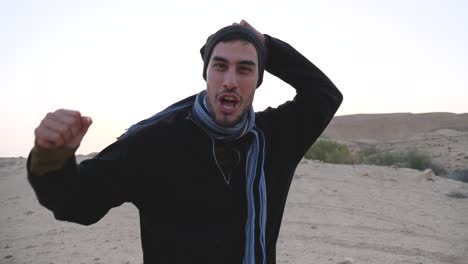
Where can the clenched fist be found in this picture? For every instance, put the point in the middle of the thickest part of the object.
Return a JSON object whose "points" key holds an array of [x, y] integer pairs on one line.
{"points": [[62, 129]]}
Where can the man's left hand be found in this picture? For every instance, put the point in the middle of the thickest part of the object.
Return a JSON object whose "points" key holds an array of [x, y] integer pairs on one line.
{"points": [[247, 25]]}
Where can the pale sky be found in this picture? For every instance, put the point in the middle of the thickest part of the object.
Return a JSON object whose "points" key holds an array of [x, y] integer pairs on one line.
{"points": [[122, 61]]}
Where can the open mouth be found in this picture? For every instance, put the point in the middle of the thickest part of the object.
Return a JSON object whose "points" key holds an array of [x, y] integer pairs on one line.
{"points": [[228, 102]]}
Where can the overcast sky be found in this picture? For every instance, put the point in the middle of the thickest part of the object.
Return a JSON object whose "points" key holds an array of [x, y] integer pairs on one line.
{"points": [[122, 61]]}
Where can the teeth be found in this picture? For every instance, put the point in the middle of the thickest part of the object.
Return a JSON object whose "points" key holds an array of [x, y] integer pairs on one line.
{"points": [[228, 102]]}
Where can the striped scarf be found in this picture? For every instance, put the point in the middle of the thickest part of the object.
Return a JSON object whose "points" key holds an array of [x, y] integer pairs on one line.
{"points": [[255, 178]]}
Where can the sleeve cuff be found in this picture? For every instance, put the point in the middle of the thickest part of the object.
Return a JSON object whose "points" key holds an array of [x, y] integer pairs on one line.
{"points": [[43, 160]]}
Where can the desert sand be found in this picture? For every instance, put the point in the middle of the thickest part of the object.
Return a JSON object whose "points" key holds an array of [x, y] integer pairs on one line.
{"points": [[337, 214]]}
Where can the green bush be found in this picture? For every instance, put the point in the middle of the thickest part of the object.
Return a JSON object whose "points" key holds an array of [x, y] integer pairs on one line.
{"points": [[405, 159], [364, 152], [330, 152], [337, 153]]}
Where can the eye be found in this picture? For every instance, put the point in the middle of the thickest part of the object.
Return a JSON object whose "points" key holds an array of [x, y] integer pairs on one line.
{"points": [[219, 66], [245, 70]]}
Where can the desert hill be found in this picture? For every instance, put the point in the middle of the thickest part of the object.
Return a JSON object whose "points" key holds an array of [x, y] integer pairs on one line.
{"points": [[397, 126], [444, 136]]}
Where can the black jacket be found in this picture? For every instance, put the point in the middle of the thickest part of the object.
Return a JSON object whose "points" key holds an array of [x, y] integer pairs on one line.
{"points": [[188, 214]]}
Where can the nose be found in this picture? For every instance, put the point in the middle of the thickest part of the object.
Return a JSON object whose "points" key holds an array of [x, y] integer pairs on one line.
{"points": [[230, 80]]}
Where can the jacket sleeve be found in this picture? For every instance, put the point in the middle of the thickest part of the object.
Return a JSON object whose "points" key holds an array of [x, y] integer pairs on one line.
{"points": [[83, 193], [298, 123]]}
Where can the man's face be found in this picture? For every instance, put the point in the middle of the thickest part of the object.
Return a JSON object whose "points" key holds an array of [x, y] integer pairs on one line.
{"points": [[231, 80]]}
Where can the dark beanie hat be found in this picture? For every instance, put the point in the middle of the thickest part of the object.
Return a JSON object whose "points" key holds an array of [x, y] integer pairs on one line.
{"points": [[237, 31]]}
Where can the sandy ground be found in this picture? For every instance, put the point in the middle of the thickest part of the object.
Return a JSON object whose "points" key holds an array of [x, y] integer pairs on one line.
{"points": [[335, 214]]}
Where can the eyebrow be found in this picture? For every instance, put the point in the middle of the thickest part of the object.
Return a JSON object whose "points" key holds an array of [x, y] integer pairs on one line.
{"points": [[245, 62], [217, 58]]}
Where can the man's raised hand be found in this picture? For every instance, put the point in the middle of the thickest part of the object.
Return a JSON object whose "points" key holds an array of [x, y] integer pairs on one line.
{"points": [[62, 129], [247, 25]]}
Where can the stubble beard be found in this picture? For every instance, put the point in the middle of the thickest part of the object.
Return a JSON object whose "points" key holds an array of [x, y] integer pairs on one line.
{"points": [[223, 120]]}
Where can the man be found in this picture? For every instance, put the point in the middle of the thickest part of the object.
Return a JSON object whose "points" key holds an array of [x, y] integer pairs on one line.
{"points": [[209, 176]]}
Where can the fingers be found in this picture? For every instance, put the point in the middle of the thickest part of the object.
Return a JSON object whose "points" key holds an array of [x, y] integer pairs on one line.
{"points": [[47, 139], [247, 25], [242, 23], [61, 128], [86, 123]]}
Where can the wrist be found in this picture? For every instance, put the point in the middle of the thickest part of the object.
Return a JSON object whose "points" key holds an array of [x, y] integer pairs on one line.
{"points": [[48, 160]]}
